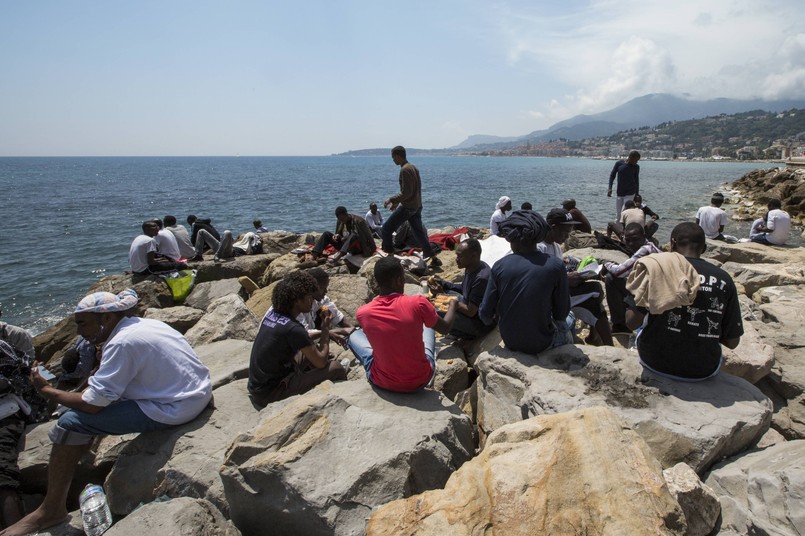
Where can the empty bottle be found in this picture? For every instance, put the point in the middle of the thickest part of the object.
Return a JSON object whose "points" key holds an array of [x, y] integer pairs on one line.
{"points": [[94, 510]]}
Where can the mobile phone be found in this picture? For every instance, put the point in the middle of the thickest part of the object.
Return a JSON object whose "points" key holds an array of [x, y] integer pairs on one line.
{"points": [[45, 373]]}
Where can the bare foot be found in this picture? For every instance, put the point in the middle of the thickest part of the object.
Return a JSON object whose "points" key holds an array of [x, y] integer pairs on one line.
{"points": [[34, 522]]}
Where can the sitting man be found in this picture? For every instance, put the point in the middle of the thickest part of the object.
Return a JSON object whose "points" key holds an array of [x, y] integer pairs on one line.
{"points": [[352, 235], [528, 290], [650, 225], [339, 326], [197, 224], [503, 205], [285, 361], [584, 224], [630, 214], [712, 218], [396, 342], [634, 237], [777, 227], [466, 324], [374, 220], [258, 226], [186, 249], [590, 310], [167, 245], [149, 379], [144, 257], [685, 342]]}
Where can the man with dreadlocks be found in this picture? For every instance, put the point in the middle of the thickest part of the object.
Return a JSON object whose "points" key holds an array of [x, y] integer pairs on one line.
{"points": [[528, 290], [285, 361], [149, 379]]}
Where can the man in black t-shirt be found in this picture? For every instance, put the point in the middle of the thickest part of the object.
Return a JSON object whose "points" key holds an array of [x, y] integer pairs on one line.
{"points": [[466, 324], [285, 361], [685, 342]]}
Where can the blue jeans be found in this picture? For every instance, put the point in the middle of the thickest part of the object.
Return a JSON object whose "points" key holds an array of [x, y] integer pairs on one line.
{"points": [[414, 218], [761, 239], [565, 330], [118, 418], [359, 344]]}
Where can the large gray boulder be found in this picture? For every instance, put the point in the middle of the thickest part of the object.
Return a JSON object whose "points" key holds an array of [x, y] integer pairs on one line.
{"points": [[754, 277], [320, 462], [176, 516], [751, 253], [783, 313], [697, 500], [252, 266], [762, 492], [752, 359], [228, 360], [203, 294], [180, 318], [349, 292], [182, 461], [696, 423], [226, 318]]}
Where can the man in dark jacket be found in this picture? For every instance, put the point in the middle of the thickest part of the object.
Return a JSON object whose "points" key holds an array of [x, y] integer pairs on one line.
{"points": [[628, 174], [352, 235]]}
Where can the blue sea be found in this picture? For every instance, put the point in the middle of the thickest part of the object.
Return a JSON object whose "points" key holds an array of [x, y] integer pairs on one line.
{"points": [[69, 221]]}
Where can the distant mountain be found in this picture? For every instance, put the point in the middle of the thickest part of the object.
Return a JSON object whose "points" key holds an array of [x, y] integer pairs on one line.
{"points": [[648, 110]]}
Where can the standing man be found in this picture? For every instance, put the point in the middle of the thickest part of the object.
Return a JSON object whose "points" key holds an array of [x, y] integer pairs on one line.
{"points": [[628, 174], [504, 205], [528, 290], [396, 343], [149, 379], [374, 220], [685, 342], [407, 206], [467, 324]]}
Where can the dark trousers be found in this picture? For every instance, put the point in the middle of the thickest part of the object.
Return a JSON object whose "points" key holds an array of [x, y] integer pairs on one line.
{"points": [[414, 218], [344, 245], [302, 381], [616, 296]]}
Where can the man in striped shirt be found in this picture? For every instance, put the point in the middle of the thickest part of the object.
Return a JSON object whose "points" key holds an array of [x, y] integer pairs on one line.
{"points": [[634, 237]]}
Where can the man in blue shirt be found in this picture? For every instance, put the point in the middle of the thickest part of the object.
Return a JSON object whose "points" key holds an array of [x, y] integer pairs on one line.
{"points": [[628, 174], [528, 290]]}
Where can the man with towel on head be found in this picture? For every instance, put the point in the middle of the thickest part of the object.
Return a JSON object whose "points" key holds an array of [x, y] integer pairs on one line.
{"points": [[504, 204], [149, 379], [528, 290]]}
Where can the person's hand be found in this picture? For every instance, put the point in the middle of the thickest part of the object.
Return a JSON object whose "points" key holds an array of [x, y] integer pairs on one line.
{"points": [[326, 315], [609, 192], [36, 379], [574, 279], [386, 203], [655, 217], [452, 303]]}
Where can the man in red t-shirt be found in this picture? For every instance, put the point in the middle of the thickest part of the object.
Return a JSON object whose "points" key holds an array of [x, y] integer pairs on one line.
{"points": [[396, 341]]}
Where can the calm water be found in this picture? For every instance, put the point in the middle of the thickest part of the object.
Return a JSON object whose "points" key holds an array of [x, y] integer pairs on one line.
{"points": [[69, 221]]}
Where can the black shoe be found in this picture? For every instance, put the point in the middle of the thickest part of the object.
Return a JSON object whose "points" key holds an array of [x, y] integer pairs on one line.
{"points": [[435, 262], [197, 258], [620, 328]]}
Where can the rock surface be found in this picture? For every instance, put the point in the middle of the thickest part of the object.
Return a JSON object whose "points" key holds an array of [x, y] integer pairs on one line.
{"points": [[320, 462], [762, 492], [226, 318], [698, 501], [176, 516], [228, 360], [546, 475], [203, 294], [179, 318], [696, 423]]}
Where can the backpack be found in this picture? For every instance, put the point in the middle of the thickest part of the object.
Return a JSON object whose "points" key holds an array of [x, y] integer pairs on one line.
{"points": [[15, 384]]}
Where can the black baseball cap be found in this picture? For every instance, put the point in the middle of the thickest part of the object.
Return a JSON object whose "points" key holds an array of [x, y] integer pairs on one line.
{"points": [[560, 216]]}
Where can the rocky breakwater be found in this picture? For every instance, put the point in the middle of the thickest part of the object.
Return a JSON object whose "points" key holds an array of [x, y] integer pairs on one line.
{"points": [[757, 187], [575, 440]]}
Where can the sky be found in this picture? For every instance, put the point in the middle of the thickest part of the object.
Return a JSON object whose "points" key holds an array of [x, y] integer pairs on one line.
{"points": [[217, 78]]}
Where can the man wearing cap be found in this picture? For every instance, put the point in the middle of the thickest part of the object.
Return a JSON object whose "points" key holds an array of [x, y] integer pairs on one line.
{"points": [[528, 290], [586, 297], [628, 175], [504, 204], [149, 379], [584, 224]]}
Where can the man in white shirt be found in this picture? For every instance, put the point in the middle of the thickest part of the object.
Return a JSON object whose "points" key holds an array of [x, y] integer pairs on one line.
{"points": [[374, 219], [167, 246], [144, 256], [712, 219], [149, 379], [778, 225], [504, 204], [186, 249]]}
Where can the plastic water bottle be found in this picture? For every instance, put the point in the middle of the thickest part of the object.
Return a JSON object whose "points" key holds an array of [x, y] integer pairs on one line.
{"points": [[94, 510]]}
